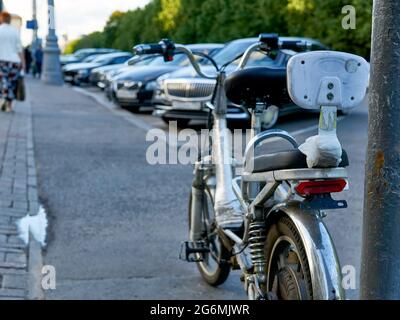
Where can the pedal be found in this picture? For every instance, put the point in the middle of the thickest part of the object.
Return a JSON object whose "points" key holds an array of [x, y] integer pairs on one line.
{"points": [[189, 250]]}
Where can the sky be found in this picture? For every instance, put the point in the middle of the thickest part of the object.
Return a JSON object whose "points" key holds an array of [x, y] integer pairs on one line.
{"points": [[73, 17]]}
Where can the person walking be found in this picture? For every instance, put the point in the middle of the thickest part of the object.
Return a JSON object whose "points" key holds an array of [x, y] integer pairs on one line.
{"points": [[28, 59], [38, 61], [11, 61]]}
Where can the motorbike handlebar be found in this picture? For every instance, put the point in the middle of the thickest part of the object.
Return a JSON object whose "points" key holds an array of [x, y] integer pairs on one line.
{"points": [[152, 48], [271, 41], [293, 45], [165, 47]]}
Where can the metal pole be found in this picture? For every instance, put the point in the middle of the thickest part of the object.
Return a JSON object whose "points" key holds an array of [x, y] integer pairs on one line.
{"points": [[380, 271], [35, 30], [51, 60]]}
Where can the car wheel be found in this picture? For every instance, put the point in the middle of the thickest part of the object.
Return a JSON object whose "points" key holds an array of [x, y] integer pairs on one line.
{"points": [[135, 109]]}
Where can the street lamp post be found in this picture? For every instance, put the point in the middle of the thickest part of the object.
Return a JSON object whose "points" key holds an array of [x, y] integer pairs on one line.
{"points": [[380, 273], [51, 60], [35, 27]]}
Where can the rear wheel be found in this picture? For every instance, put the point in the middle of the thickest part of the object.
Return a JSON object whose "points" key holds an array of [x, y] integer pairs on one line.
{"points": [[288, 272], [215, 266]]}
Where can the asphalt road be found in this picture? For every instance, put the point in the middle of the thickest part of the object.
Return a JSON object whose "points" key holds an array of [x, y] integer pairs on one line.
{"points": [[116, 222]]}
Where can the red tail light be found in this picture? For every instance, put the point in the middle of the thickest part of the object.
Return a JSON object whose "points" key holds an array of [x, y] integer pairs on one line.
{"points": [[307, 188]]}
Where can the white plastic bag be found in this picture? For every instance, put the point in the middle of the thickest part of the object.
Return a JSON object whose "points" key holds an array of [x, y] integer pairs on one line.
{"points": [[322, 151]]}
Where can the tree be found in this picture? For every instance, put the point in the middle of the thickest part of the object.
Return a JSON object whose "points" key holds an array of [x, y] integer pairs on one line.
{"points": [[195, 21]]}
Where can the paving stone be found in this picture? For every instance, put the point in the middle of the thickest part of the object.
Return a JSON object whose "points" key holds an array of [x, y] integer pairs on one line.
{"points": [[18, 193], [12, 212], [12, 293], [19, 190], [13, 272], [5, 203], [14, 281], [5, 220], [14, 240], [11, 230], [16, 258], [20, 205], [12, 265]]}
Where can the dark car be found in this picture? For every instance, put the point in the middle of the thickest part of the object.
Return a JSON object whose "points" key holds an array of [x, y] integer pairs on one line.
{"points": [[80, 55], [77, 73], [101, 76], [135, 88], [182, 95]]}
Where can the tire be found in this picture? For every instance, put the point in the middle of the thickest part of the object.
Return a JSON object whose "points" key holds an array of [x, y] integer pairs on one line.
{"points": [[134, 109], [292, 281], [221, 273]]}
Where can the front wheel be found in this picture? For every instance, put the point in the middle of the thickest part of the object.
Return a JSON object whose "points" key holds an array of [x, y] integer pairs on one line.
{"points": [[288, 272], [214, 266]]}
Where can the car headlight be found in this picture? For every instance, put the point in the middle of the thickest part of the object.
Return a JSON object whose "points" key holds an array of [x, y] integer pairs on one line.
{"points": [[132, 84], [151, 86], [111, 74], [83, 72]]}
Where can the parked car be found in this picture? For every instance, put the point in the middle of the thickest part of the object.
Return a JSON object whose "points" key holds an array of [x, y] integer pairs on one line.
{"points": [[77, 73], [102, 75], [80, 55], [135, 88], [182, 96]]}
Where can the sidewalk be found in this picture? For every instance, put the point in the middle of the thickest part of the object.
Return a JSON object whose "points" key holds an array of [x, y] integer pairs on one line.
{"points": [[18, 197]]}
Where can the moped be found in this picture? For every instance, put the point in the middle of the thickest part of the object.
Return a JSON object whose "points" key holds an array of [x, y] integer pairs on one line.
{"points": [[268, 221]]}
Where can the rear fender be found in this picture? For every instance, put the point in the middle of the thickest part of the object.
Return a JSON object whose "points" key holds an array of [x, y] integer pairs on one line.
{"points": [[324, 264]]}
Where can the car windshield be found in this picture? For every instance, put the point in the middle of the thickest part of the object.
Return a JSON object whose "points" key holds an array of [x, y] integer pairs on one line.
{"points": [[158, 61], [90, 58], [141, 62], [83, 55], [257, 59], [102, 59], [180, 59], [231, 51]]}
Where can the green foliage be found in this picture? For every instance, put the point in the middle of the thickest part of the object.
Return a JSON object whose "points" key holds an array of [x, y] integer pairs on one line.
{"points": [[93, 40], [195, 21], [71, 46]]}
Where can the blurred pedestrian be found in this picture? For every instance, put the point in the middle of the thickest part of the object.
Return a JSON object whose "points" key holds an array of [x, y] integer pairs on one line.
{"points": [[28, 59], [11, 61], [38, 57]]}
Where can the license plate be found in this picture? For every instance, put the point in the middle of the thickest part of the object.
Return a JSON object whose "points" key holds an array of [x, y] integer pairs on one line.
{"points": [[186, 105], [127, 94], [69, 78]]}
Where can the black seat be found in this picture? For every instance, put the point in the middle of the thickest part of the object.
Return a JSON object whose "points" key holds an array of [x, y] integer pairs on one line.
{"points": [[291, 159], [251, 85]]}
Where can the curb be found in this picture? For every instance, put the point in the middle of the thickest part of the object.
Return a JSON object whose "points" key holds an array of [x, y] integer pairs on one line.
{"points": [[35, 265], [35, 257]]}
